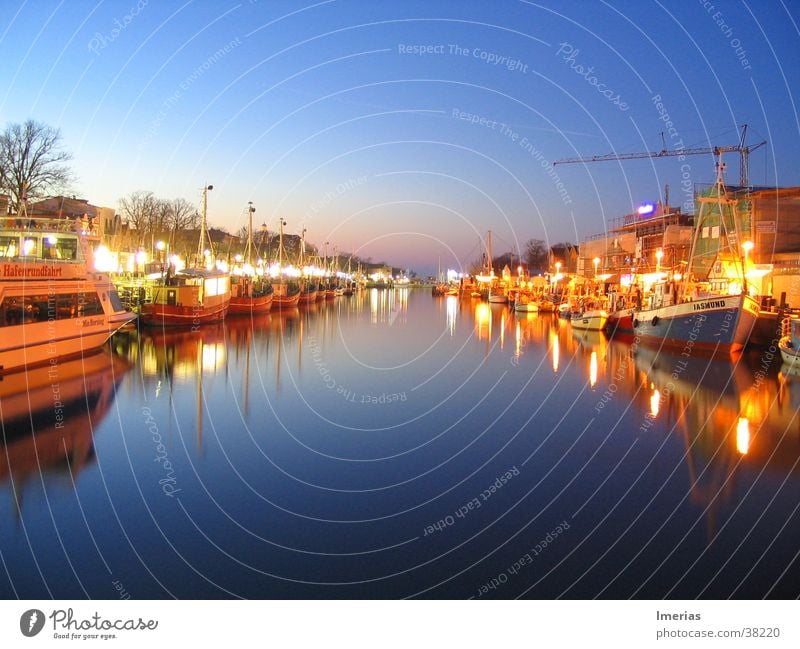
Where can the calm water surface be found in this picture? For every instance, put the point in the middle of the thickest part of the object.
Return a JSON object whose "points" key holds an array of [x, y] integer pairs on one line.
{"points": [[398, 445]]}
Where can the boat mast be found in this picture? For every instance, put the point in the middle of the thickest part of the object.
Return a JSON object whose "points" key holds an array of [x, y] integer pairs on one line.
{"points": [[248, 249], [201, 246], [280, 247], [489, 265]]}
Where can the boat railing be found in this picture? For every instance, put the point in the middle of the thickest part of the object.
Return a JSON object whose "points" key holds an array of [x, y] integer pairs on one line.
{"points": [[85, 227]]}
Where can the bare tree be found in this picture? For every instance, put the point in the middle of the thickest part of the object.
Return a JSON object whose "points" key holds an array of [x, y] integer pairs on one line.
{"points": [[182, 215], [536, 254], [139, 210], [33, 162]]}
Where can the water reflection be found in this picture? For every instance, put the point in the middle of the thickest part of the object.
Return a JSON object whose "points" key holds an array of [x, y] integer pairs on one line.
{"points": [[381, 410], [48, 415]]}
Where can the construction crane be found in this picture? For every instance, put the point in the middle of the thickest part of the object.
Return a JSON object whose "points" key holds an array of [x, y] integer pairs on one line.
{"points": [[744, 155]]}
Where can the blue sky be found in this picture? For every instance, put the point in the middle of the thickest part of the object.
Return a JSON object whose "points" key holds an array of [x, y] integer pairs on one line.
{"points": [[405, 130]]}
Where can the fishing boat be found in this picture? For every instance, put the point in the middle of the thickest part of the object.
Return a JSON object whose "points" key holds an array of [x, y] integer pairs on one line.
{"points": [[308, 287], [590, 320], [524, 302], [192, 296], [250, 294], [53, 304], [546, 306], [621, 311], [285, 293], [526, 307], [308, 292], [688, 314]]}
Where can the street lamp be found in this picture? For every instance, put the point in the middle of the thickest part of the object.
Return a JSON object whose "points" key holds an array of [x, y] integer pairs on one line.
{"points": [[596, 262], [659, 255], [747, 246]]}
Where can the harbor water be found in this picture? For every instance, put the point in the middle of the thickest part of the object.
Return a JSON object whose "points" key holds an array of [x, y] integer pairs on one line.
{"points": [[396, 445]]}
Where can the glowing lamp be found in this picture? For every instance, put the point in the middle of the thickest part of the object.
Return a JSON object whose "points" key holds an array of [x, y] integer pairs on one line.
{"points": [[646, 209]]}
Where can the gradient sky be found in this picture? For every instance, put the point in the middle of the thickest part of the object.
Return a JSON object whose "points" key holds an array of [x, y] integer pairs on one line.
{"points": [[317, 112]]}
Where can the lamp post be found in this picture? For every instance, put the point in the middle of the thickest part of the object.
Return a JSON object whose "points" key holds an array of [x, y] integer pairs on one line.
{"points": [[659, 255], [747, 246], [161, 246], [596, 262]]}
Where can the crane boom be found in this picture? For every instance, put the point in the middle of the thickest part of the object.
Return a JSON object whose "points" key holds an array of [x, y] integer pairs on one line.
{"points": [[743, 150]]}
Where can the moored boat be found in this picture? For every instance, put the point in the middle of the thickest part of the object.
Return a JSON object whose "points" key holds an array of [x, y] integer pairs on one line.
{"points": [[286, 295], [249, 296], [250, 293], [590, 320], [52, 304], [191, 297]]}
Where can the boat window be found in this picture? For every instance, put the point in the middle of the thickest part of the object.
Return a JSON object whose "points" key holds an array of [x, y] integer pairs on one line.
{"points": [[116, 303], [54, 247], [15, 310], [89, 304], [9, 246], [30, 247]]}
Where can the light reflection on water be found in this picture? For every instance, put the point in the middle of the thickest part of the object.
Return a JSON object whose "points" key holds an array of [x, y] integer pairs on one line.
{"points": [[313, 450]]}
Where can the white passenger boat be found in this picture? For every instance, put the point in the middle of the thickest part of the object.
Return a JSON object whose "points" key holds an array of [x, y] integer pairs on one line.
{"points": [[52, 302]]}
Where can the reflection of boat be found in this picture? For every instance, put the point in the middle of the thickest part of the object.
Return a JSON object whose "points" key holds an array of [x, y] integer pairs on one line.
{"points": [[51, 304], [180, 354], [50, 418]]}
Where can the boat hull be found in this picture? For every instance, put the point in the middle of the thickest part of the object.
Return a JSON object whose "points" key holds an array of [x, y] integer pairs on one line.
{"points": [[589, 321], [713, 324], [167, 315], [39, 343], [285, 301], [527, 307], [620, 323], [250, 305]]}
